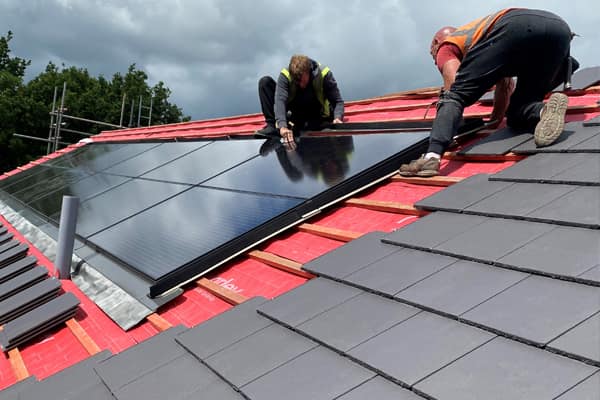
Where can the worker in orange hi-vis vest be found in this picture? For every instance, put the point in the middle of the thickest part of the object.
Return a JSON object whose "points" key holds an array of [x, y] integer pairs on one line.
{"points": [[532, 45]]}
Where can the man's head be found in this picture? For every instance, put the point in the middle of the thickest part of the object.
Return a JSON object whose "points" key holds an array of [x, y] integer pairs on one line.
{"points": [[300, 70], [438, 38]]}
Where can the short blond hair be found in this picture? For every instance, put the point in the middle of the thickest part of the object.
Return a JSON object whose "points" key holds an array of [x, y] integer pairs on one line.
{"points": [[299, 64]]}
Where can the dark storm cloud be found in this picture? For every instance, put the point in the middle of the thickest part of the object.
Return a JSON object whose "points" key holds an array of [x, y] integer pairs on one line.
{"points": [[211, 53]]}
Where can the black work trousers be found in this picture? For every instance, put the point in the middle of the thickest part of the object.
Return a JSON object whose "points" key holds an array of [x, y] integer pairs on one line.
{"points": [[532, 45], [303, 114]]}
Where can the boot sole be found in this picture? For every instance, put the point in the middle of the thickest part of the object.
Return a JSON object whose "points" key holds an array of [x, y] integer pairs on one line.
{"points": [[552, 123]]}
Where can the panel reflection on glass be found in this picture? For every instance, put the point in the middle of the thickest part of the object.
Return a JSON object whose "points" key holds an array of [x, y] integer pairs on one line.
{"points": [[96, 157], [48, 180], [121, 202], [206, 162], [154, 158], [167, 236], [317, 164], [91, 186]]}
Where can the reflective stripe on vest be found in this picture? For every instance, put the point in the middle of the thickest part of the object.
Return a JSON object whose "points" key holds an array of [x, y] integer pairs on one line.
{"points": [[467, 36], [317, 84]]}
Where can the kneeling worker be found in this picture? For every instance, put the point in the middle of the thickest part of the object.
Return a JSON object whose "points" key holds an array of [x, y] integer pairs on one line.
{"points": [[306, 89], [532, 45]]}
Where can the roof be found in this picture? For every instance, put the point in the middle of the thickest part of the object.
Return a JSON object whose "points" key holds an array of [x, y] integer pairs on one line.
{"points": [[487, 289]]}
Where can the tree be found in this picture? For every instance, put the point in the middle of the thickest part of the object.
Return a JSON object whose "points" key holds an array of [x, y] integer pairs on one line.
{"points": [[25, 108], [15, 108]]}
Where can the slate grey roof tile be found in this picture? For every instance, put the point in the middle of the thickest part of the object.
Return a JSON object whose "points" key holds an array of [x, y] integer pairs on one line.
{"points": [[460, 287], [319, 374], [224, 329], [583, 340], [257, 354], [356, 320], [593, 274], [351, 257], [586, 390], [586, 172], [379, 388], [18, 267], [549, 254], [519, 200], [493, 239], [175, 379], [537, 309], [463, 194], [399, 271], [503, 369], [306, 301], [592, 122], [125, 367], [590, 145], [12, 392], [419, 346], [499, 142], [69, 382], [541, 167], [433, 229], [573, 134], [580, 207]]}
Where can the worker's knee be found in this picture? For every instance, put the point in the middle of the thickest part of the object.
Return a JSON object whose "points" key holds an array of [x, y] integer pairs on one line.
{"points": [[265, 82]]}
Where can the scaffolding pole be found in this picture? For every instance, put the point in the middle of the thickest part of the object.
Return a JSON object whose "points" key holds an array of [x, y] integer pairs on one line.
{"points": [[49, 147]]}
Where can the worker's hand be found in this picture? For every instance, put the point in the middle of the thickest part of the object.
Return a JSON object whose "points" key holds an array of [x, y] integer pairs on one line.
{"points": [[502, 93], [337, 121], [287, 138]]}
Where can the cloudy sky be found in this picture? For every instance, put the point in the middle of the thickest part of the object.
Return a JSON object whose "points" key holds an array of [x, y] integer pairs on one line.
{"points": [[211, 53]]}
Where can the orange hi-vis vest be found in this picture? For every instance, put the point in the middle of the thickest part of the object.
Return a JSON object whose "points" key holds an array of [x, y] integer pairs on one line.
{"points": [[466, 36]]}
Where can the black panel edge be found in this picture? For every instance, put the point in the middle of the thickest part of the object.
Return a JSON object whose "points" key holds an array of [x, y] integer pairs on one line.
{"points": [[205, 263]]}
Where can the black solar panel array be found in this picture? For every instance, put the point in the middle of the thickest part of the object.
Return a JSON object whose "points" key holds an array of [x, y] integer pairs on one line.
{"points": [[220, 197]]}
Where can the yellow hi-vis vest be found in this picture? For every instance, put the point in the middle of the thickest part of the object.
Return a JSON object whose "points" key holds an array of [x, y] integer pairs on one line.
{"points": [[317, 84], [466, 36]]}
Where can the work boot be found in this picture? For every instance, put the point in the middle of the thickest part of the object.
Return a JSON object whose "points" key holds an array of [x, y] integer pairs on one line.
{"points": [[268, 130], [552, 120], [421, 167]]}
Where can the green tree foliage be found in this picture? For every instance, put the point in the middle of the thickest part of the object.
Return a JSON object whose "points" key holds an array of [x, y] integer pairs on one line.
{"points": [[25, 108]]}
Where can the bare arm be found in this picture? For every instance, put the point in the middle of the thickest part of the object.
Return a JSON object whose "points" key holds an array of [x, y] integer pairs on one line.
{"points": [[449, 72], [504, 89]]}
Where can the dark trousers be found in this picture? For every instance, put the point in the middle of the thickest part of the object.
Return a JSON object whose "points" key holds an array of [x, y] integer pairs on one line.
{"points": [[532, 45], [303, 114]]}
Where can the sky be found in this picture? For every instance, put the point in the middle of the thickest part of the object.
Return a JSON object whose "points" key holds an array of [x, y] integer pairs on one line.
{"points": [[211, 53]]}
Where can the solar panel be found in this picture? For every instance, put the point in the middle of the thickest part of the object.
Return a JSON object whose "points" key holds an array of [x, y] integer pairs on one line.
{"points": [[177, 210]]}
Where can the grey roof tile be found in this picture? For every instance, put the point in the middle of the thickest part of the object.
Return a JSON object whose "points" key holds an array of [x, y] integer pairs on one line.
{"points": [[504, 369], [592, 122], [463, 194], [356, 320], [537, 309], [319, 374], [96, 392], [257, 354], [352, 256], [519, 200], [540, 167], [306, 301], [573, 134], [379, 388], [174, 379], [419, 346], [69, 382], [585, 77], [580, 207], [224, 329], [593, 274], [460, 287], [547, 253], [583, 340], [493, 239], [499, 142], [586, 390], [12, 392], [586, 172], [125, 367], [399, 271], [433, 229]]}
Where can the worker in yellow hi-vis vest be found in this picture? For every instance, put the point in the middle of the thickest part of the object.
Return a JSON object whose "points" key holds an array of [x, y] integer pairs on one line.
{"points": [[532, 45], [307, 92]]}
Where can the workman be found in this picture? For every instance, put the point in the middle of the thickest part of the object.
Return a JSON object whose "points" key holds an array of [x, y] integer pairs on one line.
{"points": [[532, 45]]}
